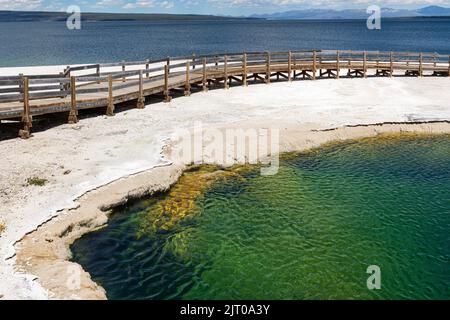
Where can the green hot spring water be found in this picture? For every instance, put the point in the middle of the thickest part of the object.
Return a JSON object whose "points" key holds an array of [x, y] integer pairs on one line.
{"points": [[309, 232]]}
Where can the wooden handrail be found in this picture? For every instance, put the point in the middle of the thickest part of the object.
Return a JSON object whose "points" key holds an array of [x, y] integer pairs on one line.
{"points": [[163, 75], [50, 78], [148, 62]]}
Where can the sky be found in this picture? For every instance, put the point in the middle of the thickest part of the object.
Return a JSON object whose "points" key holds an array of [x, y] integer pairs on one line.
{"points": [[217, 7]]}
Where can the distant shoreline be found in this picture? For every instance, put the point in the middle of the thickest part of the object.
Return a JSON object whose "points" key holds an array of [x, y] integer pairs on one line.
{"points": [[51, 16], [47, 16]]}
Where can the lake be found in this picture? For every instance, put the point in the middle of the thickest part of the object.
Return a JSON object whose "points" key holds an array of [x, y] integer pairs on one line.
{"points": [[51, 43]]}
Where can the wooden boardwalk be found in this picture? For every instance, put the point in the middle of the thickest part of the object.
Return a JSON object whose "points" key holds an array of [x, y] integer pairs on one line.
{"points": [[105, 85]]}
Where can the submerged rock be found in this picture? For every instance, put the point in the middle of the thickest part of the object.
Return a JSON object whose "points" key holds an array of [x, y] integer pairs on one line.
{"points": [[180, 202]]}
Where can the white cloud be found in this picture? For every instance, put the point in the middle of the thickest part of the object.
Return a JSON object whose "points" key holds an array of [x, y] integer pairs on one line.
{"points": [[148, 4], [20, 4], [166, 4], [323, 3], [140, 4], [109, 3]]}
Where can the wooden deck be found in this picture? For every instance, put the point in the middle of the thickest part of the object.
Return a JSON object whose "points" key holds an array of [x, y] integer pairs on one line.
{"points": [[101, 85]]}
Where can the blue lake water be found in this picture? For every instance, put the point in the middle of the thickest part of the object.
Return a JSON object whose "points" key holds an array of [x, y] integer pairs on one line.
{"points": [[51, 43]]}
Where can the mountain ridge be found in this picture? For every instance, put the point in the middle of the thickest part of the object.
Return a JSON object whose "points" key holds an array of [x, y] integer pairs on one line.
{"points": [[24, 16], [429, 11]]}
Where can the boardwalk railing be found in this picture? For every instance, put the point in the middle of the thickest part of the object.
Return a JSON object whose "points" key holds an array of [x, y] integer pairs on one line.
{"points": [[105, 85]]}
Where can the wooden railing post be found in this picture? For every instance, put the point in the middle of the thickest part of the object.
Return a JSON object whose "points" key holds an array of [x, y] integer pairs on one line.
{"points": [[268, 67], [168, 64], [314, 69], [225, 72], [449, 65], [338, 66], [110, 107], [61, 85], [147, 66], [26, 117], [67, 75], [123, 70], [289, 66], [187, 85], [73, 113], [421, 64], [167, 97], [204, 78], [244, 70], [21, 82], [97, 72], [141, 99], [391, 64], [365, 64]]}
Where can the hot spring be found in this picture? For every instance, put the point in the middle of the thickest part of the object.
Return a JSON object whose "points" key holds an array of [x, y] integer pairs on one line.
{"points": [[308, 232]]}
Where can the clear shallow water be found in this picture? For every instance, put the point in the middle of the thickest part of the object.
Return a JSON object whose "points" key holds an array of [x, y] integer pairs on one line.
{"points": [[51, 43], [309, 232]]}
